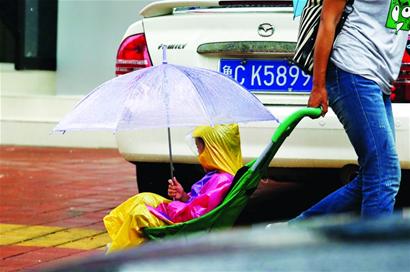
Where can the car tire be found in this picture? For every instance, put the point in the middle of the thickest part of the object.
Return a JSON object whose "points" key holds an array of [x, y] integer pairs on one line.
{"points": [[153, 177], [347, 173]]}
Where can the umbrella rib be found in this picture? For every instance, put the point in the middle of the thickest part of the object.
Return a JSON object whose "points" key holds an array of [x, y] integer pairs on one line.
{"points": [[127, 97], [204, 109]]}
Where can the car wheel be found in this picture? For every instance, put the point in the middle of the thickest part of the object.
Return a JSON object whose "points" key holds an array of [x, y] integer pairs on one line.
{"points": [[153, 177], [348, 173]]}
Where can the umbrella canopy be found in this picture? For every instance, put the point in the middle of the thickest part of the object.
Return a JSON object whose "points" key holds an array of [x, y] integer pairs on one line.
{"points": [[298, 6], [165, 96]]}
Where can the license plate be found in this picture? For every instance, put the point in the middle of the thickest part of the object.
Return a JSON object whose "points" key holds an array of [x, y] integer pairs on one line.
{"points": [[272, 76]]}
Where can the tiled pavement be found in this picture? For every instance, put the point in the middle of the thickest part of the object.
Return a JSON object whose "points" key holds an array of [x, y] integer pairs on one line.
{"points": [[52, 201]]}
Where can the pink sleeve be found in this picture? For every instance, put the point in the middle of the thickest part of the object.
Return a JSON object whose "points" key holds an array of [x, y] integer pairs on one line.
{"points": [[211, 195]]}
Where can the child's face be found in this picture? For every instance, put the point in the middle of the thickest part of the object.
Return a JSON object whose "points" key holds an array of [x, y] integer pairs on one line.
{"points": [[200, 145]]}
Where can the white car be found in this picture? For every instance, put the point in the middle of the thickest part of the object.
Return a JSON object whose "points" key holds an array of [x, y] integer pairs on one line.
{"points": [[252, 41]]}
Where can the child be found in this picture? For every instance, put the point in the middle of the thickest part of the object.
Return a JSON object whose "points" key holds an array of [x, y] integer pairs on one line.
{"points": [[219, 153]]}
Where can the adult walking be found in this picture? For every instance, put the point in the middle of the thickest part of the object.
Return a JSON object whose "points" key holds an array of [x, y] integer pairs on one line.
{"points": [[353, 74]]}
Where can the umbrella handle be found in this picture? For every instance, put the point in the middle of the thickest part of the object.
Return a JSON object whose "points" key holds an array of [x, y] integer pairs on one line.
{"points": [[171, 164]]}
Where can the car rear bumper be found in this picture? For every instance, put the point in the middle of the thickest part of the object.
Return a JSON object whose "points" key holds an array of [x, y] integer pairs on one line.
{"points": [[319, 143]]}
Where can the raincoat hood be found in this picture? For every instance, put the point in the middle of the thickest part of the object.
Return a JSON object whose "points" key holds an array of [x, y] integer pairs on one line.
{"points": [[222, 148]]}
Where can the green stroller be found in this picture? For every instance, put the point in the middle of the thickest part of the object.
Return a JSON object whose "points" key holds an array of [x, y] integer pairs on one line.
{"points": [[244, 184]]}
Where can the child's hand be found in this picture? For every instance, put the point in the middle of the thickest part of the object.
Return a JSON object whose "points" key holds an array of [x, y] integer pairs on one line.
{"points": [[176, 191]]}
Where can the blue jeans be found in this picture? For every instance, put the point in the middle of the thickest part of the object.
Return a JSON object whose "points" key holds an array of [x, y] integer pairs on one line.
{"points": [[367, 118]]}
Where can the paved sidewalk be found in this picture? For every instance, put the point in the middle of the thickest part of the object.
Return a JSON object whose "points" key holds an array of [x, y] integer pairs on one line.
{"points": [[52, 201]]}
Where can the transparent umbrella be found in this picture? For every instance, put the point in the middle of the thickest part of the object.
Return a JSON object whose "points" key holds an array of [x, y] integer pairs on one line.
{"points": [[165, 96]]}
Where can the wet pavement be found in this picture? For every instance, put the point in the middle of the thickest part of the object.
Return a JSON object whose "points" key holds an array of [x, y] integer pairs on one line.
{"points": [[52, 201]]}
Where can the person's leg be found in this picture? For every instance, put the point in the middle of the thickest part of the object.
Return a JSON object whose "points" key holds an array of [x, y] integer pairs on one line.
{"points": [[367, 119], [125, 222], [388, 172], [348, 197], [366, 116], [345, 199], [388, 105]]}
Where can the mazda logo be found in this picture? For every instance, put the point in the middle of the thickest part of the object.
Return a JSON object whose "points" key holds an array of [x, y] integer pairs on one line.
{"points": [[266, 30]]}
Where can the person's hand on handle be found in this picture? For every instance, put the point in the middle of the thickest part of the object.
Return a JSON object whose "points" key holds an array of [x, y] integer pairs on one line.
{"points": [[318, 98], [176, 191]]}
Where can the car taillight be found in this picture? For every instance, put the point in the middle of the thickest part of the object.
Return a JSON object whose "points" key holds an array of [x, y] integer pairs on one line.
{"points": [[132, 55], [401, 87]]}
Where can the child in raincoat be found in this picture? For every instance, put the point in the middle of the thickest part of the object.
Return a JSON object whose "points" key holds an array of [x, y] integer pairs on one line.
{"points": [[220, 156]]}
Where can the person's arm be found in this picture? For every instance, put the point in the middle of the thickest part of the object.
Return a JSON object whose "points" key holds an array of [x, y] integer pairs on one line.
{"points": [[332, 11], [176, 191], [209, 197]]}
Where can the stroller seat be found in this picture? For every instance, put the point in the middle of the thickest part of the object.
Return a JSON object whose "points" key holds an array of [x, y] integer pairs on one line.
{"points": [[244, 184]]}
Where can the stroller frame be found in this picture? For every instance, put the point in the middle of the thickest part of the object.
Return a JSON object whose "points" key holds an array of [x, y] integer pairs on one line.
{"points": [[244, 184]]}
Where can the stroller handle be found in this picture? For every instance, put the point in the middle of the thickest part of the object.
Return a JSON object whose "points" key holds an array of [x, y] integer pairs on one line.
{"points": [[281, 133], [291, 122]]}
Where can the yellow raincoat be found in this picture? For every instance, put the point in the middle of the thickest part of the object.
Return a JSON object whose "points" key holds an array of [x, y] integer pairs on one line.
{"points": [[221, 153]]}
